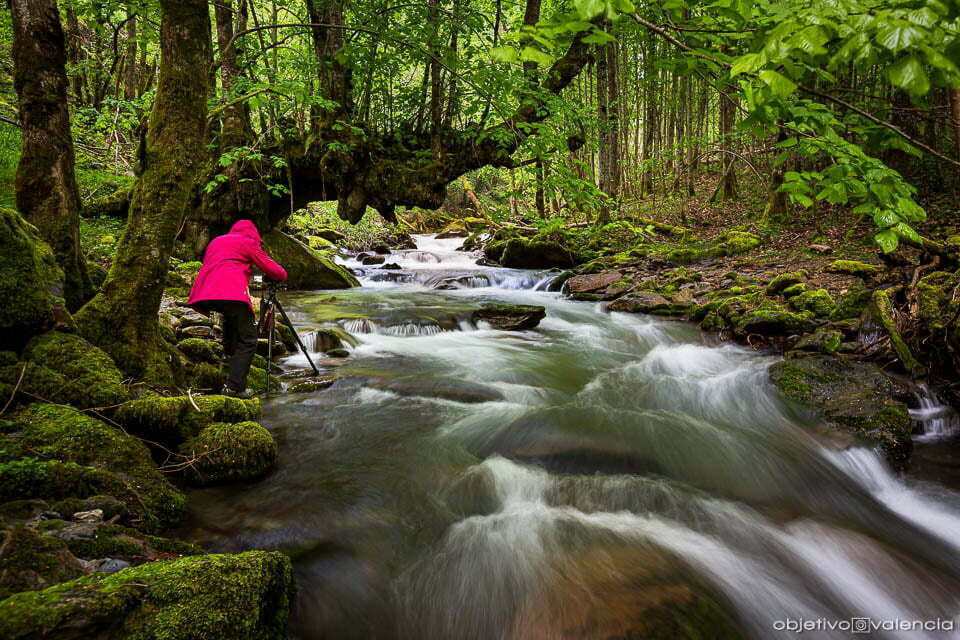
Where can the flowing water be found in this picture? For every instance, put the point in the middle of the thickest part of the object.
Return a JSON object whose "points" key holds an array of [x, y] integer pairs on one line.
{"points": [[601, 476]]}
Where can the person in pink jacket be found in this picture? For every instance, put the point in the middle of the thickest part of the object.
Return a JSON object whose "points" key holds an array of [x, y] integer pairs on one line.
{"points": [[223, 286]]}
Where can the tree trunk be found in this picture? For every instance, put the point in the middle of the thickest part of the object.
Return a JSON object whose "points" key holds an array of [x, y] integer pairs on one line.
{"points": [[728, 185], [235, 130], [336, 78], [955, 110], [607, 97], [45, 185], [130, 58], [122, 319]]}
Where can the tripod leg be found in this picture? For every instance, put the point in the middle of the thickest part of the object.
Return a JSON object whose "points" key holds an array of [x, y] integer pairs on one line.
{"points": [[286, 321], [273, 325]]}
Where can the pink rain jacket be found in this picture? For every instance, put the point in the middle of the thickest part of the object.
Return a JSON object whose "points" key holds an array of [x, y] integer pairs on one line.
{"points": [[225, 274]]}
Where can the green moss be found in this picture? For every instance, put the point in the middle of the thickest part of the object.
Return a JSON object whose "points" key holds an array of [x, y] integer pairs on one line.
{"points": [[774, 321], [817, 301], [60, 433], [31, 283], [230, 452], [189, 269], [67, 369], [851, 304], [30, 561], [200, 350], [215, 597], [536, 253], [785, 280], [854, 268], [306, 268], [177, 418], [936, 302], [794, 290], [261, 382], [115, 541]]}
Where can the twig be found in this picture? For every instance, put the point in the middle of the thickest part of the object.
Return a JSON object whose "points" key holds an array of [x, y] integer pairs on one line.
{"points": [[15, 389]]}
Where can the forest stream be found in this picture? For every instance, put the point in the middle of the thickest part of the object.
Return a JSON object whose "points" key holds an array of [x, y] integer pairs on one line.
{"points": [[603, 475]]}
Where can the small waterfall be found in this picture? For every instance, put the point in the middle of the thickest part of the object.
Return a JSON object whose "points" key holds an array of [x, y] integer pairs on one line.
{"points": [[411, 329], [309, 340], [938, 418], [360, 325]]}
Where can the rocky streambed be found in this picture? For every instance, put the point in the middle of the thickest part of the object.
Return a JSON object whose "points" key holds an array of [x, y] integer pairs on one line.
{"points": [[590, 473]]}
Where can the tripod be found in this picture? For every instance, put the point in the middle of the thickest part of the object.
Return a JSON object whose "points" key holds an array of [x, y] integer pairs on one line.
{"points": [[267, 324]]}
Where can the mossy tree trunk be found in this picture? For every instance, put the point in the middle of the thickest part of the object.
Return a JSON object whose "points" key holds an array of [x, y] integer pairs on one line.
{"points": [[46, 187], [122, 319]]}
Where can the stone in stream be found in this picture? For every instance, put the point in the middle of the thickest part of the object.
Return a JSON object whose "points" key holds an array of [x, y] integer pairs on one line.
{"points": [[381, 248], [330, 339], [510, 317], [391, 265], [369, 260], [856, 398], [593, 281], [641, 302]]}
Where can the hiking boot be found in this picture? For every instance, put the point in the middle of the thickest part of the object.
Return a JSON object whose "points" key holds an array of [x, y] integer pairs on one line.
{"points": [[234, 393]]}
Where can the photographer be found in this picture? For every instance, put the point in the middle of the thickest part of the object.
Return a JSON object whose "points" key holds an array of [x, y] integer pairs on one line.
{"points": [[223, 286]]}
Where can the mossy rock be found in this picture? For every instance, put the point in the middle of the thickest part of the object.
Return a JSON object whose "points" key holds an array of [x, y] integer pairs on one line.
{"points": [[30, 561], [854, 268], [510, 317], [119, 542], [207, 377], [200, 350], [852, 304], [177, 418], [189, 269], [825, 341], [536, 253], [774, 322], [65, 368], [817, 301], [786, 280], [31, 283], [306, 268], [880, 311], [215, 597], [230, 452], [734, 243], [856, 397], [56, 432]]}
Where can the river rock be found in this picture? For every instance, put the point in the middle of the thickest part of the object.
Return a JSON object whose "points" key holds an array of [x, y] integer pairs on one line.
{"points": [[538, 253], [370, 260], [393, 266], [29, 561], [331, 235], [854, 397], [640, 302], [593, 281], [510, 317]]}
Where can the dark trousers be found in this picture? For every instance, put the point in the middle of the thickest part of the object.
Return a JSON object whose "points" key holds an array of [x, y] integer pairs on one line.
{"points": [[239, 338]]}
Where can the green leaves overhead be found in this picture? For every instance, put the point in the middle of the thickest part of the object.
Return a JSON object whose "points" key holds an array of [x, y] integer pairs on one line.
{"points": [[780, 85], [908, 74]]}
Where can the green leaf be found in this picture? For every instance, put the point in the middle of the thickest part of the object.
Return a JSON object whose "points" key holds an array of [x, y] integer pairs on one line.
{"points": [[535, 55], [504, 54], [625, 6], [888, 240], [908, 74], [780, 84], [899, 36], [747, 63], [589, 9], [885, 218], [599, 37], [906, 231]]}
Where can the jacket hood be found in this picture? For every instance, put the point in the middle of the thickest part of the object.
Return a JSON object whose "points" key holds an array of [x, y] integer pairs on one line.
{"points": [[246, 228]]}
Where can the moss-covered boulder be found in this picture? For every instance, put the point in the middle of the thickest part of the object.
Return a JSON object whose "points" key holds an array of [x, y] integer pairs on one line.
{"points": [[536, 253], [58, 434], [31, 283], [854, 268], [824, 340], [510, 317], [200, 350], [65, 368], [215, 597], [854, 397], [306, 268], [649, 302], [785, 280], [179, 418], [773, 321], [817, 301], [114, 205], [229, 452], [30, 561]]}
